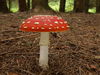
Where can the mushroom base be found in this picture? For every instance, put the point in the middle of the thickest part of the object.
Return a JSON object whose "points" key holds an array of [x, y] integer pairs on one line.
{"points": [[43, 61]]}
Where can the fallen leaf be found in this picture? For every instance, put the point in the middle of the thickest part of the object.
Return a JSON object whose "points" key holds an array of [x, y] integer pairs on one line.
{"points": [[97, 57], [11, 73], [92, 66]]}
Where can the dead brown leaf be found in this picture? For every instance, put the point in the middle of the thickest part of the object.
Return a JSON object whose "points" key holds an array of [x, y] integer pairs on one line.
{"points": [[12, 73]]}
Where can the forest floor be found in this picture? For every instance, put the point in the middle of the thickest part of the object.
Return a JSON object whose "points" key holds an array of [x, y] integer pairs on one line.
{"points": [[74, 52]]}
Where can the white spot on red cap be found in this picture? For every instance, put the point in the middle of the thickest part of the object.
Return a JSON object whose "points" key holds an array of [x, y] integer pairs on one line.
{"points": [[45, 24], [65, 22], [56, 22], [23, 22], [37, 27], [30, 17], [36, 18], [28, 21], [32, 27], [49, 20], [61, 22], [50, 28], [59, 18], [63, 27], [42, 28], [57, 27], [36, 22], [51, 25], [67, 26], [25, 27]]}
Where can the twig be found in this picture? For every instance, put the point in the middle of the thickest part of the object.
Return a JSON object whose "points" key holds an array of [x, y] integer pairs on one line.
{"points": [[80, 72], [13, 38], [26, 71], [43, 72], [19, 69], [97, 57], [26, 53]]}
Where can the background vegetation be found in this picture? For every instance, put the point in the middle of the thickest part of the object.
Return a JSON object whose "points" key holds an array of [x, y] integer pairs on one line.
{"points": [[55, 4]]}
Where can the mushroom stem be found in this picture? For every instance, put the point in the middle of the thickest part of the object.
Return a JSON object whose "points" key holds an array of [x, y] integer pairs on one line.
{"points": [[44, 42]]}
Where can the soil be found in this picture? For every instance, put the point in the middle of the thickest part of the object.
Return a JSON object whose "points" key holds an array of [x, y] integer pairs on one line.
{"points": [[74, 52]]}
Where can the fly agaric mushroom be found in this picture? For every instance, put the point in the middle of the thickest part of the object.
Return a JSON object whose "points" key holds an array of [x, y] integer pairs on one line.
{"points": [[44, 24]]}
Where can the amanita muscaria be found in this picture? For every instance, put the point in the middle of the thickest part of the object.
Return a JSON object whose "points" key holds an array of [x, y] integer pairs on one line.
{"points": [[44, 24]]}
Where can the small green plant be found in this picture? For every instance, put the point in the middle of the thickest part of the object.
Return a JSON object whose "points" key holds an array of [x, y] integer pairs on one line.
{"points": [[92, 10]]}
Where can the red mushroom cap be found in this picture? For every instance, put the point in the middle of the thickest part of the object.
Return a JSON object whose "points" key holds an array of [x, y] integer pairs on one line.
{"points": [[44, 23]]}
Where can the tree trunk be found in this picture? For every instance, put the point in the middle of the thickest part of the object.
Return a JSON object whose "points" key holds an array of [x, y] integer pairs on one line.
{"points": [[3, 6], [86, 6], [92, 3], [78, 5], [28, 4], [40, 5], [98, 6], [62, 5], [22, 5], [81, 5], [10, 4]]}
